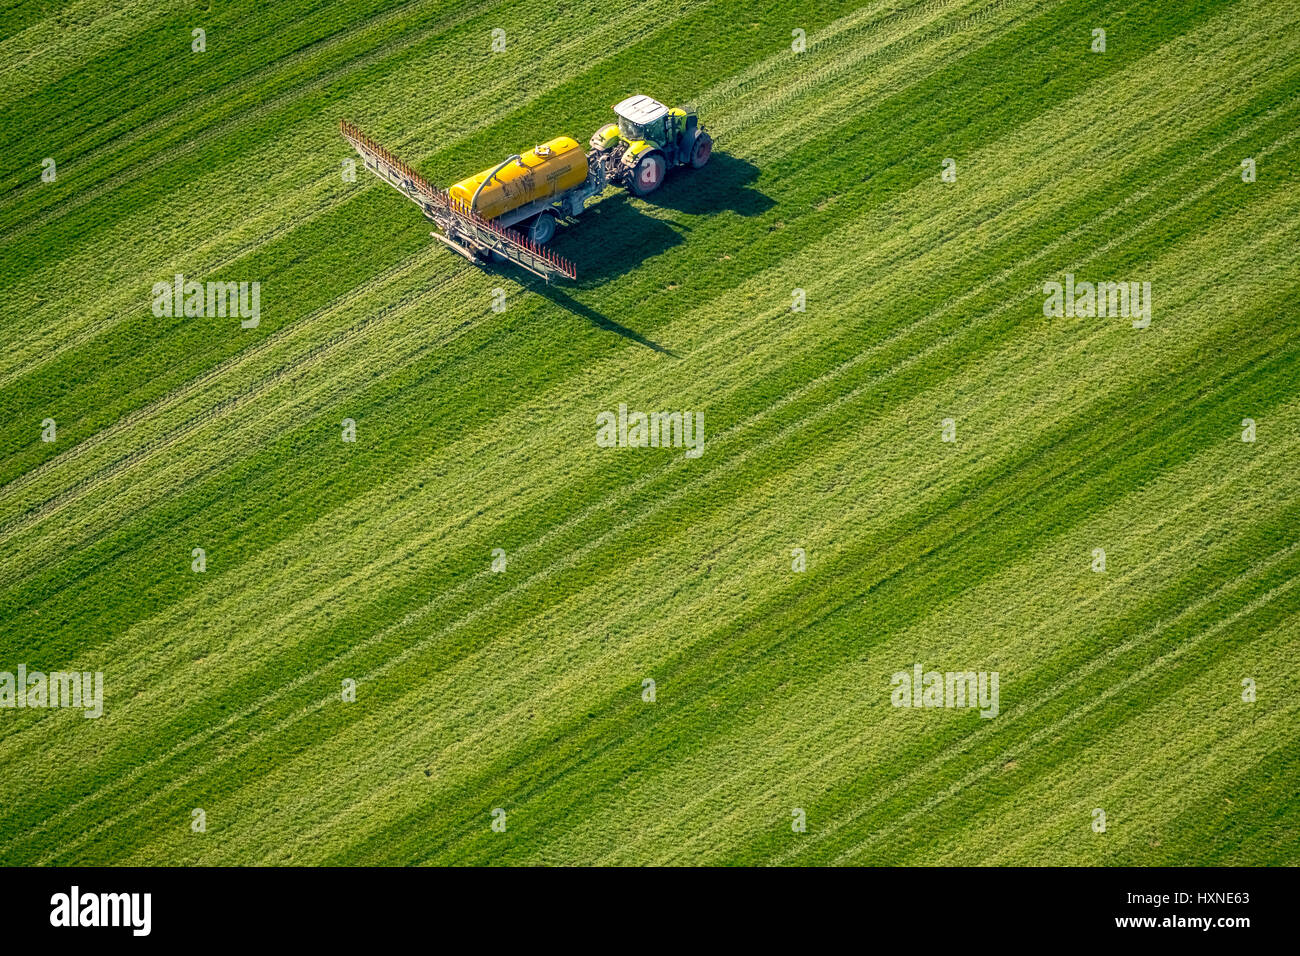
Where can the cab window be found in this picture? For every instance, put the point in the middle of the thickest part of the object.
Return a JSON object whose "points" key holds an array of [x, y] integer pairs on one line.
{"points": [[629, 130]]}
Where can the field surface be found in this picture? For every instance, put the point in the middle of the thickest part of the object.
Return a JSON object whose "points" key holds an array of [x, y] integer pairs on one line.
{"points": [[519, 695]]}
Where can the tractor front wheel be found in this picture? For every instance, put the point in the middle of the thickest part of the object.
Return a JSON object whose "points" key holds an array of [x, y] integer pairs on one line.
{"points": [[648, 173], [702, 151]]}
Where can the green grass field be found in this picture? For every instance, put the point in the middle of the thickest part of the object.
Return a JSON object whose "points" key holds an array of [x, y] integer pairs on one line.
{"points": [[523, 690]]}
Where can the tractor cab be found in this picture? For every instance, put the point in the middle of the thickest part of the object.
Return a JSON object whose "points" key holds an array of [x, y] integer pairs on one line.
{"points": [[641, 118]]}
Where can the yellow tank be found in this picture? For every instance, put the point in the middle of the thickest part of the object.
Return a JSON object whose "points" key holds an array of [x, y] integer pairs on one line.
{"points": [[545, 171]]}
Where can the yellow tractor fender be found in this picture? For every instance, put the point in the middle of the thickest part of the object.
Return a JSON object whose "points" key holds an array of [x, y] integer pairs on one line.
{"points": [[635, 150]]}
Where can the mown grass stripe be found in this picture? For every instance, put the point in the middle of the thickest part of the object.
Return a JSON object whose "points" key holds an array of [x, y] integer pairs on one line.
{"points": [[521, 690]]}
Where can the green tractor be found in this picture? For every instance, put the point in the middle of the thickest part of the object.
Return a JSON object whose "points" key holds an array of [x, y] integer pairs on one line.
{"points": [[648, 140]]}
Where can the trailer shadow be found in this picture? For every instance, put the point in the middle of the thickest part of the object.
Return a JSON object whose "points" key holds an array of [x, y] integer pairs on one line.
{"points": [[724, 185], [612, 238], [572, 305]]}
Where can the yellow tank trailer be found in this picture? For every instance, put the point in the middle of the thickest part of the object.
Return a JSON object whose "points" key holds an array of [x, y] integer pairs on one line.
{"points": [[541, 173]]}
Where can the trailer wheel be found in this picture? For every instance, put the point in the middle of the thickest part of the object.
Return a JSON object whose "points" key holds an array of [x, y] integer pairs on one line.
{"points": [[542, 229], [702, 151], [648, 173]]}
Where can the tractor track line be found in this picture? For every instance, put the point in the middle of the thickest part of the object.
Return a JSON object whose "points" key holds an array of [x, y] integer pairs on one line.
{"points": [[479, 612], [486, 732], [1038, 736], [9, 529], [852, 744], [803, 390], [526, 679], [921, 771], [52, 459], [274, 70], [50, 350]]}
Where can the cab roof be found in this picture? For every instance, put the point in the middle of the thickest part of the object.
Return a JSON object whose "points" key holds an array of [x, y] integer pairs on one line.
{"points": [[640, 109]]}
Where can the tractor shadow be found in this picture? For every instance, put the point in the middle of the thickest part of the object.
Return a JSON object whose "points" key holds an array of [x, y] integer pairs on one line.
{"points": [[724, 185], [614, 236]]}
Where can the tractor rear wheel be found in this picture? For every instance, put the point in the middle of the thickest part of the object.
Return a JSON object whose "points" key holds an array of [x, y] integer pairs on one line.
{"points": [[702, 151], [648, 173], [542, 229]]}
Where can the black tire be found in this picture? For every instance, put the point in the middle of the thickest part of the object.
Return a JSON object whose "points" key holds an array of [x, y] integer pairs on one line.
{"points": [[702, 150], [541, 229], [648, 173]]}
